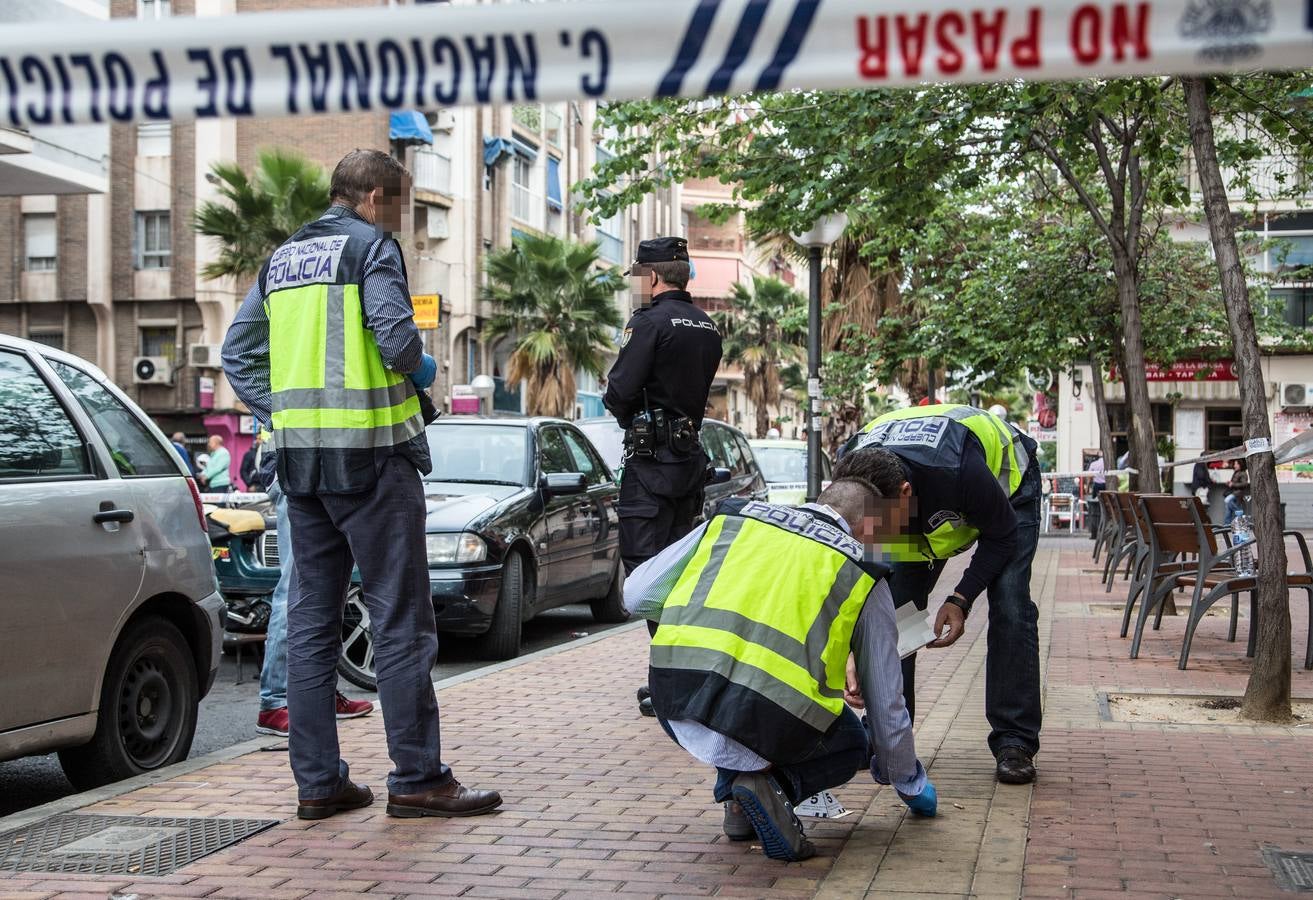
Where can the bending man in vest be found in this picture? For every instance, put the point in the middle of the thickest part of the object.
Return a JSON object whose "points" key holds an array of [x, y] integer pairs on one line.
{"points": [[968, 477], [325, 347], [770, 618]]}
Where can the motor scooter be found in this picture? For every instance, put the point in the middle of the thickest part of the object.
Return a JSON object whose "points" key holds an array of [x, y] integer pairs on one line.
{"points": [[246, 565]]}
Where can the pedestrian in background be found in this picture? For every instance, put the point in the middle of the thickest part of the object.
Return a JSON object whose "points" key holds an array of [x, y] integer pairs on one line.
{"points": [[1237, 492], [180, 447], [325, 348], [250, 470], [217, 477], [657, 390]]}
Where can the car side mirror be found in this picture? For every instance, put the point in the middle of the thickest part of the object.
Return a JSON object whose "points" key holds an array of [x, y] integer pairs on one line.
{"points": [[718, 475], [559, 484]]}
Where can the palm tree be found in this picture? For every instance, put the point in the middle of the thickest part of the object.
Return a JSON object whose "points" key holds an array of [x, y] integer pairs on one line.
{"points": [[285, 192], [560, 308], [762, 330]]}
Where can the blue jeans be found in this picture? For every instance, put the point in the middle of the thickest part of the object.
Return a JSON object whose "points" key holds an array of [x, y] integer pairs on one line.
{"points": [[1235, 506], [1012, 694], [273, 674], [844, 752]]}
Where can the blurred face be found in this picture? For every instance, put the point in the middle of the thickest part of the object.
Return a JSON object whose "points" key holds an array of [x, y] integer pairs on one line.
{"points": [[642, 282], [388, 207], [215, 442], [886, 517]]}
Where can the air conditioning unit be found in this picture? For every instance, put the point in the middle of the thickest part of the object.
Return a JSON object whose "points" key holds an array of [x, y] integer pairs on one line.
{"points": [[152, 370], [439, 223], [444, 120], [1296, 394], [205, 356]]}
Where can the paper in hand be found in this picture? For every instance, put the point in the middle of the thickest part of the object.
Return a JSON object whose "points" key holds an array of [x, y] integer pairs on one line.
{"points": [[914, 630]]}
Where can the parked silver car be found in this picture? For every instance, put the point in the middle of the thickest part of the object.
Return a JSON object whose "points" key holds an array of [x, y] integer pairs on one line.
{"points": [[109, 609]]}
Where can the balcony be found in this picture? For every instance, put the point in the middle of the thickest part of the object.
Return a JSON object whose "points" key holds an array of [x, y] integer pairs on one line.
{"points": [[724, 240], [1270, 176], [433, 172], [528, 116], [527, 206], [610, 247]]}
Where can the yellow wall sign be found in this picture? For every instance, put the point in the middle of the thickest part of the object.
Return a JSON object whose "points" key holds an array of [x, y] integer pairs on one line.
{"points": [[426, 309]]}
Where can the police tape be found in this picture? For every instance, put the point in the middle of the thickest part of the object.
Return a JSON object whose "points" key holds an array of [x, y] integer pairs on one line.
{"points": [[321, 61]]}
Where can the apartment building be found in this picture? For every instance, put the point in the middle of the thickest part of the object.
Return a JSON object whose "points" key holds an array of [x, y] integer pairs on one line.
{"points": [[110, 269], [1196, 403], [723, 255]]}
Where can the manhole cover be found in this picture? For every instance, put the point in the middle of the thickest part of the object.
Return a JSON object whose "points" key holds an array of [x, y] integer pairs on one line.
{"points": [[126, 845], [1293, 871]]}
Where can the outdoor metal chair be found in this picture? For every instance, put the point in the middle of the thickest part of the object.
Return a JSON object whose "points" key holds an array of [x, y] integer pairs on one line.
{"points": [[1222, 581], [1148, 568], [1108, 524], [1168, 524], [1127, 544], [1061, 506]]}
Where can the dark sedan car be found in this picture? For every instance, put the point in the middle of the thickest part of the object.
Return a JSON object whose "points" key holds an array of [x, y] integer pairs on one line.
{"points": [[521, 519], [725, 444]]}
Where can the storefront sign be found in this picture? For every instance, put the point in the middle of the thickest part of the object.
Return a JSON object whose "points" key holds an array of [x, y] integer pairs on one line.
{"points": [[1186, 370], [205, 392], [1286, 428], [426, 309], [464, 400], [348, 60]]}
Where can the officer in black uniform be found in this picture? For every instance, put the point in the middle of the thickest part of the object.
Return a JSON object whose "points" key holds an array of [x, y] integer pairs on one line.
{"points": [[657, 390]]}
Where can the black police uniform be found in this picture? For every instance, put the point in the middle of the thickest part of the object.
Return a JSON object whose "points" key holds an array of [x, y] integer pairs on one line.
{"points": [[668, 358]]}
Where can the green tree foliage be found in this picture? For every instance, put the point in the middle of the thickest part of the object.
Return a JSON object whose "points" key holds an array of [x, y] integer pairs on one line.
{"points": [[260, 211], [762, 331], [559, 307]]}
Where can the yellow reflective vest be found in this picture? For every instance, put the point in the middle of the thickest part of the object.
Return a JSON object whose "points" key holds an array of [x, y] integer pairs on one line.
{"points": [[755, 634], [338, 411], [934, 437]]}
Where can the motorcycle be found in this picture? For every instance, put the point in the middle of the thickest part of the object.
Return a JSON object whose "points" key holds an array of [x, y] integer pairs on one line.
{"points": [[242, 541]]}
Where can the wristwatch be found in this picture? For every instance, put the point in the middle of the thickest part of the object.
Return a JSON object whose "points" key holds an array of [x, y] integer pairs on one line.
{"points": [[964, 605]]}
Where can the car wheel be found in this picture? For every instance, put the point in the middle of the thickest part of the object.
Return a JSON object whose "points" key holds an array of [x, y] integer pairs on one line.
{"points": [[611, 608], [502, 640], [356, 664], [148, 708]]}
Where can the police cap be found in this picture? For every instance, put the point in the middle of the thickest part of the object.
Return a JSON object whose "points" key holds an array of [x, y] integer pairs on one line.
{"points": [[662, 249]]}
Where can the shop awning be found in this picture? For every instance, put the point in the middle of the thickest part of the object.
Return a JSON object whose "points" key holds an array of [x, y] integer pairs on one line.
{"points": [[554, 183], [1228, 391], [494, 148], [410, 127]]}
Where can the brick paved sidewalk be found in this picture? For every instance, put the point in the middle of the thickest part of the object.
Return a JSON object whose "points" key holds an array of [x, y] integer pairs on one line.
{"points": [[599, 801]]}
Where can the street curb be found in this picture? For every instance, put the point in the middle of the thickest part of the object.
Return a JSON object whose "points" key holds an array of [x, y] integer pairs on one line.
{"points": [[98, 795], [494, 668], [78, 801]]}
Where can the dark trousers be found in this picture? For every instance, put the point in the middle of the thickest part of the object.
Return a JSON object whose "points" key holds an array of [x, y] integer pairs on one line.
{"points": [[844, 752], [1012, 694], [657, 505], [383, 530]]}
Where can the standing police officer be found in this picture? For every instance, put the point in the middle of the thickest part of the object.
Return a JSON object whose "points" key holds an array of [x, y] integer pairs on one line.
{"points": [[324, 347], [657, 390]]}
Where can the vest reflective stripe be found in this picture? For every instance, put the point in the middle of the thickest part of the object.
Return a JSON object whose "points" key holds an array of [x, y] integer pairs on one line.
{"points": [[1004, 453], [779, 623], [331, 388]]}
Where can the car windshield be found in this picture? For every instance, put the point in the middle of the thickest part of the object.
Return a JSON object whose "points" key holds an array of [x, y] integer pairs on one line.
{"points": [[608, 438], [478, 454], [781, 464]]}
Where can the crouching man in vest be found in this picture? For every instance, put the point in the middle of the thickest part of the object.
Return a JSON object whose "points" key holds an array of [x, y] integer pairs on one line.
{"points": [[770, 618], [324, 347], [967, 477]]}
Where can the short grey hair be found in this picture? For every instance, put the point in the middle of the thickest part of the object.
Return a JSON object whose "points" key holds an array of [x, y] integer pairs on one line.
{"points": [[673, 272]]}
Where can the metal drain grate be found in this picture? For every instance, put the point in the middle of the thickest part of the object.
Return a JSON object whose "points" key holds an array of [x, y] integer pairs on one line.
{"points": [[119, 845], [1293, 871]]}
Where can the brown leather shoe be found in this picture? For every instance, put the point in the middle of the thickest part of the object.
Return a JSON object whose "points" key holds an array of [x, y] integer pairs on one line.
{"points": [[451, 799], [351, 796]]}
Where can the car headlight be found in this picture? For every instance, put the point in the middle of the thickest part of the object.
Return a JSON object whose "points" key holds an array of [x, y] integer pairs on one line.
{"points": [[455, 548]]}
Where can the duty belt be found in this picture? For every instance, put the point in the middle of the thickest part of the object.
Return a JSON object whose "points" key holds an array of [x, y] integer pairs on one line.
{"points": [[656, 427]]}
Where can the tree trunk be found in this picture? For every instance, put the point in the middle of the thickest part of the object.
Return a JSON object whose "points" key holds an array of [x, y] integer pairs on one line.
{"points": [[1267, 696], [1139, 411], [1101, 414]]}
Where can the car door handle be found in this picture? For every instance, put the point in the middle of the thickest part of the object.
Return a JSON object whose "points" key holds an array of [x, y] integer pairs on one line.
{"points": [[113, 515]]}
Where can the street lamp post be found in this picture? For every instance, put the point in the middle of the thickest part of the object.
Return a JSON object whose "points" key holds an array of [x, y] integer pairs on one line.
{"points": [[826, 231]]}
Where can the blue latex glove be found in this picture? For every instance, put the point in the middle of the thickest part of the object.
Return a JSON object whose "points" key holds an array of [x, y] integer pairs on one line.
{"points": [[925, 803], [427, 371]]}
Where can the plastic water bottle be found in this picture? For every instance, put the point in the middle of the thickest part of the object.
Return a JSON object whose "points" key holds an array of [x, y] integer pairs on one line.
{"points": [[1242, 529]]}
